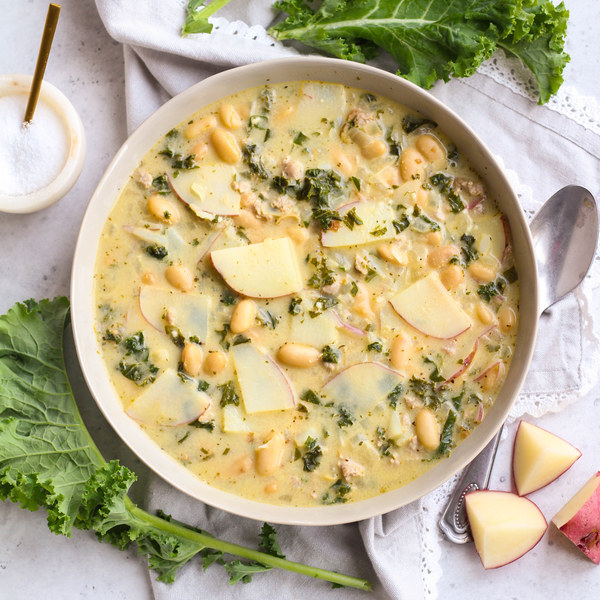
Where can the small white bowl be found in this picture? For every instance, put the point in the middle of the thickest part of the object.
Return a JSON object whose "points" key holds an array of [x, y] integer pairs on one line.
{"points": [[66, 178]]}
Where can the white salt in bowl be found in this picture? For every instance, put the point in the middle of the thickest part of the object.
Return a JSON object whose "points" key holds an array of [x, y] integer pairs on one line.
{"points": [[61, 179]]}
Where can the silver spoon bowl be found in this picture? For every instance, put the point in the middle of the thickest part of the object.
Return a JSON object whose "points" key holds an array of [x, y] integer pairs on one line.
{"points": [[565, 235]]}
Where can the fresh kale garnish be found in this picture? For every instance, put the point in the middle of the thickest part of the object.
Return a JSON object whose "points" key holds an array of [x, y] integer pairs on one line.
{"points": [[295, 307], [435, 374], [384, 444], [375, 347], [337, 493], [208, 425], [436, 40], [161, 184], [329, 354], [426, 390], [312, 454], [319, 187], [320, 305], [267, 319], [345, 417], [156, 251], [268, 541], [228, 394], [468, 250], [323, 275], [252, 157], [351, 218], [175, 335], [444, 184], [310, 396], [447, 435], [393, 396], [494, 288]]}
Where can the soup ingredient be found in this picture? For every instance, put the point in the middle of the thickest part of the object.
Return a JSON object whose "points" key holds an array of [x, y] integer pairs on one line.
{"points": [[430, 308], [32, 155], [48, 459], [435, 40], [504, 526], [264, 385], [263, 270], [579, 519], [539, 457], [170, 401]]}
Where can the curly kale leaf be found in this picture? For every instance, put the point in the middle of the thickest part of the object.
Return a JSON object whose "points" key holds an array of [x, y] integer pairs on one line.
{"points": [[431, 40]]}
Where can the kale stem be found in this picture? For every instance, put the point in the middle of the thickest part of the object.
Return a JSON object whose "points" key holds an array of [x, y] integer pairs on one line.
{"points": [[204, 540]]}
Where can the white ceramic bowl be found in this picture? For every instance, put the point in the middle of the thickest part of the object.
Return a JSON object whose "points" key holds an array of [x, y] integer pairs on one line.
{"points": [[170, 115], [66, 178]]}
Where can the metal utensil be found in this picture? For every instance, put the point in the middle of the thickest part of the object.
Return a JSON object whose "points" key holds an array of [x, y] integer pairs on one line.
{"points": [[565, 235], [42, 60]]}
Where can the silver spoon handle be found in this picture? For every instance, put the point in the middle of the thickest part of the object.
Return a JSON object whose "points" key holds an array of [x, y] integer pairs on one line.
{"points": [[476, 476]]}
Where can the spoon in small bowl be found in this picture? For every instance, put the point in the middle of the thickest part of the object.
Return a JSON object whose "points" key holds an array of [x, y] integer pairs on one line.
{"points": [[565, 235]]}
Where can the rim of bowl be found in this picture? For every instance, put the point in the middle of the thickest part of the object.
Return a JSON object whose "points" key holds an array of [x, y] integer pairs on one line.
{"points": [[127, 159], [68, 175]]}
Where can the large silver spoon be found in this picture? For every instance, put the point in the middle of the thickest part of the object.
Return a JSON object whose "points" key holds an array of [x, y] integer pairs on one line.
{"points": [[565, 234]]}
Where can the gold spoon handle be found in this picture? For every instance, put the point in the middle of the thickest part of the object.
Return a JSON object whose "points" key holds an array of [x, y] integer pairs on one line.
{"points": [[42, 60]]}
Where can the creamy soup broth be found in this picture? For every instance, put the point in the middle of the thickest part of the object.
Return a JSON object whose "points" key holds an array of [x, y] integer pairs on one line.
{"points": [[306, 295]]}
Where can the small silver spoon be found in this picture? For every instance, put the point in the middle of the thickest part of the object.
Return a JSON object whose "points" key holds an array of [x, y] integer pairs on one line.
{"points": [[565, 234]]}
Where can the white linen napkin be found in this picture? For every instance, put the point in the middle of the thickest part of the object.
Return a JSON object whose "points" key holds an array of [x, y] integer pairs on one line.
{"points": [[397, 551]]}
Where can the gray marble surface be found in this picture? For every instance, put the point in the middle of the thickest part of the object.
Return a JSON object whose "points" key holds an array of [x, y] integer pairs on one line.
{"points": [[35, 261]]}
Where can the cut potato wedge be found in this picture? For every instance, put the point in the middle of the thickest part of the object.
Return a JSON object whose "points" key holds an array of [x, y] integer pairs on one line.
{"points": [[375, 216], [539, 457], [267, 269], [318, 331], [233, 420], [428, 307], [207, 190], [504, 526], [362, 385], [265, 387], [579, 519], [169, 401], [190, 312]]}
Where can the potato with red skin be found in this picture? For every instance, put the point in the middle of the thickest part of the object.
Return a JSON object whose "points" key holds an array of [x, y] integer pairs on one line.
{"points": [[504, 526], [539, 457], [579, 519]]}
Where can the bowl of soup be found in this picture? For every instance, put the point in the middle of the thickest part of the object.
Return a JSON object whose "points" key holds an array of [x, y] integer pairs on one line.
{"points": [[304, 292]]}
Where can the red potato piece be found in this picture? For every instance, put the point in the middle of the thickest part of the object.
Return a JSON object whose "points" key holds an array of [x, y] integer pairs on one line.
{"points": [[374, 216], [539, 457], [579, 519], [265, 387], [169, 401], [362, 385], [190, 311], [266, 269], [207, 190], [504, 526], [427, 306]]}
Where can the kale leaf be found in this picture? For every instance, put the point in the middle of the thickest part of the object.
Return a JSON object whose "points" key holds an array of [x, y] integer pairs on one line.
{"points": [[432, 40]]}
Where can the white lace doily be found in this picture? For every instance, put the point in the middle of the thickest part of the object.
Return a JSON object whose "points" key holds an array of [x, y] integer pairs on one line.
{"points": [[512, 73]]}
